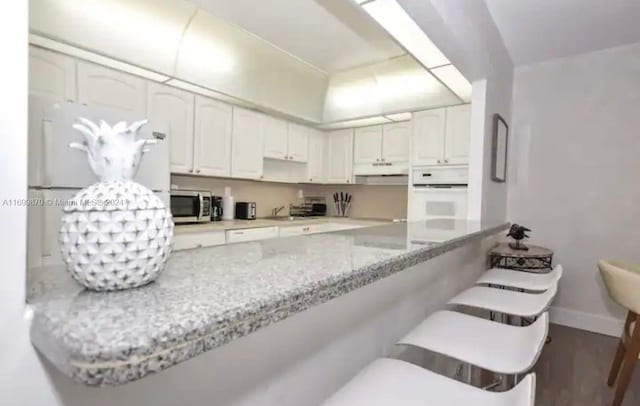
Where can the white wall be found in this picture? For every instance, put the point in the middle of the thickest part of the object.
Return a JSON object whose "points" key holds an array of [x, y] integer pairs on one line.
{"points": [[575, 161]]}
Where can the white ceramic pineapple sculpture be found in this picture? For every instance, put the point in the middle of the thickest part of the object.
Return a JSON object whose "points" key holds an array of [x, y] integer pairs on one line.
{"points": [[115, 234]]}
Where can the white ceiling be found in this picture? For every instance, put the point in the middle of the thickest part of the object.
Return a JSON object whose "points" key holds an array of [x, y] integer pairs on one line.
{"points": [[538, 30], [332, 35]]}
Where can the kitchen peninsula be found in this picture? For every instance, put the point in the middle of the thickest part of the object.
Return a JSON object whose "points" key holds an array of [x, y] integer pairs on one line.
{"points": [[212, 296]]}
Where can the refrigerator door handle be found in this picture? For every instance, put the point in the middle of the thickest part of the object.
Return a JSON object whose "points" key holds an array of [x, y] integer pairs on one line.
{"points": [[47, 154], [46, 223]]}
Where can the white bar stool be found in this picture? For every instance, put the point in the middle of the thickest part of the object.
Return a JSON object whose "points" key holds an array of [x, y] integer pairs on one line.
{"points": [[521, 280], [506, 301], [493, 346], [390, 382]]}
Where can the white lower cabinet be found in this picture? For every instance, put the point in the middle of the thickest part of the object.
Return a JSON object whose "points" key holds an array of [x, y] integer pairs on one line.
{"points": [[251, 234], [198, 240]]}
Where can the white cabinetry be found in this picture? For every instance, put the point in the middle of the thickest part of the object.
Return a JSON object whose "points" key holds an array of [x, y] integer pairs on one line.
{"points": [[276, 132], [285, 141], [247, 144], [104, 87], [340, 156], [51, 74], [441, 136], [201, 239], [367, 145], [316, 157], [457, 135], [298, 142], [251, 234], [395, 142], [212, 148], [174, 107]]}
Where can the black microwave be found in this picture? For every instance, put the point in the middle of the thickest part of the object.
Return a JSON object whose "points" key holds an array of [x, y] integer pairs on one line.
{"points": [[190, 206]]}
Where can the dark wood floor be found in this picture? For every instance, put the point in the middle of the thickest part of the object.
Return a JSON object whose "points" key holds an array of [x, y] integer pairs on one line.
{"points": [[573, 370]]}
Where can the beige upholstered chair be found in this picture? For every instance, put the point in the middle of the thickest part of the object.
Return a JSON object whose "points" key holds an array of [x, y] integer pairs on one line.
{"points": [[622, 280]]}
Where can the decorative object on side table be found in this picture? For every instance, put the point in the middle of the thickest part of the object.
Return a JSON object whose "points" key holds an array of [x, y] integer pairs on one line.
{"points": [[536, 258], [499, 151], [518, 233], [115, 234]]}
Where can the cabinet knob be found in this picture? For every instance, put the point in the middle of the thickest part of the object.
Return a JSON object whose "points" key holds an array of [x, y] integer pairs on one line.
{"points": [[198, 171], [446, 161], [377, 159], [190, 170], [347, 180], [310, 179], [439, 161]]}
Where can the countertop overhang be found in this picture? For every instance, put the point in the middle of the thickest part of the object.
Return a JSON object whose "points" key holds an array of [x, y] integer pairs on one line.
{"points": [[210, 296]]}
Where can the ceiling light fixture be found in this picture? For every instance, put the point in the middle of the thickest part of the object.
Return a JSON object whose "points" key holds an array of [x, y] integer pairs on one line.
{"points": [[392, 17], [453, 79]]}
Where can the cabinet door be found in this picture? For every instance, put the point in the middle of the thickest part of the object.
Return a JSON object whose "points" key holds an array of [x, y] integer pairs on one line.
{"points": [[316, 157], [340, 156], [100, 86], [367, 145], [275, 138], [458, 133], [185, 241], [247, 147], [212, 146], [175, 108], [395, 142], [52, 75], [298, 142], [428, 137]]}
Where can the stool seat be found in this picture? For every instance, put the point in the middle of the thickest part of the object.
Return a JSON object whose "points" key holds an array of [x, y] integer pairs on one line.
{"points": [[390, 382], [506, 301], [521, 280], [497, 347]]}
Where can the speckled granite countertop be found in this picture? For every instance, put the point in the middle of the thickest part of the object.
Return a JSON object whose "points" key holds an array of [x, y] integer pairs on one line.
{"points": [[269, 222], [208, 297]]}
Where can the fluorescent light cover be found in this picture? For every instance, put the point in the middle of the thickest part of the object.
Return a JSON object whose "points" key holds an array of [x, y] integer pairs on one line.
{"points": [[397, 22], [93, 57], [399, 116], [451, 76], [362, 122]]}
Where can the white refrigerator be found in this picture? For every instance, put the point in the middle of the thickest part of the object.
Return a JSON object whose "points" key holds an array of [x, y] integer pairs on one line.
{"points": [[57, 172]]}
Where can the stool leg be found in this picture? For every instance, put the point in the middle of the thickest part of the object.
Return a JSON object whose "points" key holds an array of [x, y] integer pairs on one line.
{"points": [[628, 364], [617, 360]]}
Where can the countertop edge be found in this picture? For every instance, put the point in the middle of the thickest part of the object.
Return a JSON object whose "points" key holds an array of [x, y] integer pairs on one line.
{"points": [[122, 371]]}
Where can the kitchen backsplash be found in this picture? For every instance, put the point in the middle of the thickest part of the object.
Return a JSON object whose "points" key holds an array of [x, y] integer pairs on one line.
{"points": [[385, 202]]}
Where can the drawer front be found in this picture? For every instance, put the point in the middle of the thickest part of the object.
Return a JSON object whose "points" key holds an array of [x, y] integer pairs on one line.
{"points": [[251, 234], [297, 230], [198, 240]]}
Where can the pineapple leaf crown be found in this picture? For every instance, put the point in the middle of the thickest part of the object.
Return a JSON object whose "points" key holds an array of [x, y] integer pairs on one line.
{"points": [[112, 151]]}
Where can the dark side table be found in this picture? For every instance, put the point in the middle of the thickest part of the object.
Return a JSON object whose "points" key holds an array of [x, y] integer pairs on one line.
{"points": [[535, 258]]}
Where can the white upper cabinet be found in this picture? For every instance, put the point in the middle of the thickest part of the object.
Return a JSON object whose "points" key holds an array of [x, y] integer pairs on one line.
{"points": [[316, 156], [285, 141], [52, 75], [104, 87], [212, 147], [340, 156], [298, 142], [395, 142], [276, 133], [367, 145], [428, 137], [458, 134], [175, 108], [247, 144]]}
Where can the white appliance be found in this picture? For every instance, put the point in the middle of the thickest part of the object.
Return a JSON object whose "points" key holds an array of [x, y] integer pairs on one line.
{"points": [[57, 172], [438, 193]]}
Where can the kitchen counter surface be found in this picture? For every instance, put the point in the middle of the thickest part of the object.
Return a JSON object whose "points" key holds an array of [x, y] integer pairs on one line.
{"points": [[210, 296], [269, 222]]}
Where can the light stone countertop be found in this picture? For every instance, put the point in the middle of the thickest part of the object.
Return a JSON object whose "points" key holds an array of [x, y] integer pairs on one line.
{"points": [[208, 297], [268, 222]]}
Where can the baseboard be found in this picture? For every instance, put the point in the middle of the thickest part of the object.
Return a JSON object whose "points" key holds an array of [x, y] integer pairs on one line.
{"points": [[585, 321]]}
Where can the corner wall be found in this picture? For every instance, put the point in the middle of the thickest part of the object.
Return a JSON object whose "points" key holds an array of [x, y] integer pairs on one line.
{"points": [[574, 164]]}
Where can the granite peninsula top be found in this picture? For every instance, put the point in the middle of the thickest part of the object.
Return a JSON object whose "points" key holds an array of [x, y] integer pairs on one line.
{"points": [[207, 297]]}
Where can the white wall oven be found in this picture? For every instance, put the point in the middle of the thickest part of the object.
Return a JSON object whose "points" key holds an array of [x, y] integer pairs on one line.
{"points": [[438, 193]]}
